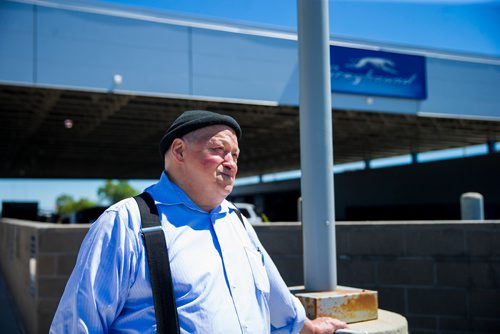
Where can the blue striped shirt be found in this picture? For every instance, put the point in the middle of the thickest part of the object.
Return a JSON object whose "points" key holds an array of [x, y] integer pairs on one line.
{"points": [[224, 281]]}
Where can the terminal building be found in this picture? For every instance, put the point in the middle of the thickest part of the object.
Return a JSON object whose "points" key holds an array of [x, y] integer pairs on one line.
{"points": [[87, 90]]}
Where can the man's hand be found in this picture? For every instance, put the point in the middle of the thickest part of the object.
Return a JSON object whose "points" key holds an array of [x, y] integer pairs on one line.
{"points": [[322, 325]]}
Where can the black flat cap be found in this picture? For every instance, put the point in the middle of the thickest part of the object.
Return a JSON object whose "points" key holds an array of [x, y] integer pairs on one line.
{"points": [[192, 120]]}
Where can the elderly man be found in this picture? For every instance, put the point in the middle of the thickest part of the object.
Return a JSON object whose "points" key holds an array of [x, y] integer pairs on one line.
{"points": [[223, 280]]}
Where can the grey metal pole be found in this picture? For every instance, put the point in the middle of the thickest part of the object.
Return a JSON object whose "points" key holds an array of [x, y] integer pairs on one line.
{"points": [[316, 147]]}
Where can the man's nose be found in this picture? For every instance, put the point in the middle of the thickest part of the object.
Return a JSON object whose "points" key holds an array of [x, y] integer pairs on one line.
{"points": [[230, 161]]}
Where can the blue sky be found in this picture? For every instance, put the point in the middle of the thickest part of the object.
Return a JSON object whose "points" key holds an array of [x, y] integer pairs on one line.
{"points": [[45, 191], [462, 26]]}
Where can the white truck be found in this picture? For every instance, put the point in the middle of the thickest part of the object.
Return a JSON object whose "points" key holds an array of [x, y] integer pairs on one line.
{"points": [[248, 210]]}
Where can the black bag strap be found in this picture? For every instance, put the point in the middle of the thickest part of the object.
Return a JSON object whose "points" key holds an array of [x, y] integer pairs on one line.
{"points": [[167, 320], [240, 215]]}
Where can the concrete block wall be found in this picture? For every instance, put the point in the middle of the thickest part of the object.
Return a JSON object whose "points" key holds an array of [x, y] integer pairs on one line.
{"points": [[36, 260], [444, 277]]}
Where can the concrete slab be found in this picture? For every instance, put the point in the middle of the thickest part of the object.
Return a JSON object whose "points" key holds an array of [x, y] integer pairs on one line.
{"points": [[386, 323]]}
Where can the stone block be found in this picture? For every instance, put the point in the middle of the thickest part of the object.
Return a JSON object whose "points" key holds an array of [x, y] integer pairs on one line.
{"points": [[437, 301], [406, 272]]}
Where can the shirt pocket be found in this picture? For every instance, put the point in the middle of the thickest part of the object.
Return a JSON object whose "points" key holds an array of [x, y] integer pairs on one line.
{"points": [[256, 260]]}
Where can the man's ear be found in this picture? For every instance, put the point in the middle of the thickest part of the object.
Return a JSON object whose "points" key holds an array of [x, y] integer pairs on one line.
{"points": [[178, 148]]}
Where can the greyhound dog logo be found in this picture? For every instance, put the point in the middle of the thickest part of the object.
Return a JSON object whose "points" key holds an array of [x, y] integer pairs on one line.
{"points": [[383, 64]]}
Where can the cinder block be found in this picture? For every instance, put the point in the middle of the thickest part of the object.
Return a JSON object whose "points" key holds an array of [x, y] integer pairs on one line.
{"points": [[483, 325], [343, 239], [423, 331], [363, 271], [46, 265], [60, 240], [281, 243], [344, 270], [26, 243], [376, 240], [44, 322], [354, 271], [65, 264], [483, 242], [51, 287], [459, 324], [422, 322], [485, 275], [485, 303], [437, 301], [470, 274], [409, 272], [435, 240], [45, 314], [392, 299], [453, 274], [48, 305], [290, 268]]}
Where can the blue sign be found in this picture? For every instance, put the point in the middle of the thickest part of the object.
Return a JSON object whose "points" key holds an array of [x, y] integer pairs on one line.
{"points": [[357, 71]]}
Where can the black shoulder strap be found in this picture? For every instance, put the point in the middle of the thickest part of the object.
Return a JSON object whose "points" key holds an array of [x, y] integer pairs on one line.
{"points": [[239, 214], [167, 320]]}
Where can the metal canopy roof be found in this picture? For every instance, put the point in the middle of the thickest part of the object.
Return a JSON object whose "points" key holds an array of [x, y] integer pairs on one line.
{"points": [[116, 136]]}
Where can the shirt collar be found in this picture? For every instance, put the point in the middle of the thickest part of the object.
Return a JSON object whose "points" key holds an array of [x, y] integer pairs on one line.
{"points": [[166, 192]]}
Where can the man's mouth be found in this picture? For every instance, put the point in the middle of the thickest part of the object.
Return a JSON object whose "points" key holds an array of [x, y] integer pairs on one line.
{"points": [[227, 175]]}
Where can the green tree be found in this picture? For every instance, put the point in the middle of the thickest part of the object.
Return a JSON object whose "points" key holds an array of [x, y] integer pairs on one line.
{"points": [[66, 204], [114, 191]]}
